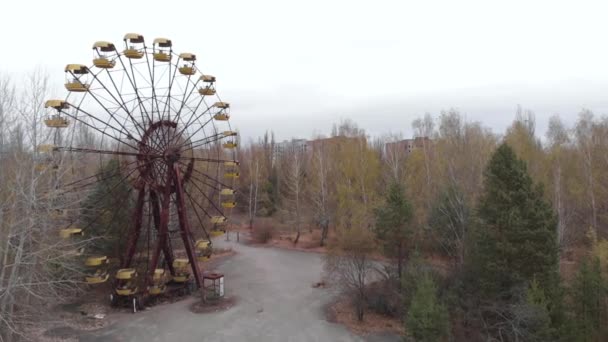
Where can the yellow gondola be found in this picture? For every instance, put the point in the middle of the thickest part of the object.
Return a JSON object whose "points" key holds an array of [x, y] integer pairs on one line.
{"points": [[218, 219], [227, 192], [96, 261], [208, 78], [221, 105], [102, 59], [57, 104], [181, 263], [135, 45], [56, 121], [100, 273], [188, 67], [203, 250], [182, 270], [159, 280], [230, 144], [129, 290], [231, 163], [231, 174], [67, 233], [216, 233], [76, 81], [206, 91], [126, 282], [159, 274], [126, 274], [100, 276], [229, 204], [157, 289], [230, 133], [221, 117], [162, 49], [45, 148], [72, 233]]}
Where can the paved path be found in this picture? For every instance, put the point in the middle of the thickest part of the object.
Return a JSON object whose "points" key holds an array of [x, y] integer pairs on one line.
{"points": [[275, 303]]}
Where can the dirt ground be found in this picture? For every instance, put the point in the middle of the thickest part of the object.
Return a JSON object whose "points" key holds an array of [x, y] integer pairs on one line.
{"points": [[274, 302]]}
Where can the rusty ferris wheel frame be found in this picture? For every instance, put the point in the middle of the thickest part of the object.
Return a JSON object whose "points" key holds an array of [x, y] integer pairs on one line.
{"points": [[156, 112]]}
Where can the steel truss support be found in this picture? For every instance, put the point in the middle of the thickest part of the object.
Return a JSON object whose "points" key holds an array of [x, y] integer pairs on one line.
{"points": [[136, 230], [184, 226], [166, 248]]}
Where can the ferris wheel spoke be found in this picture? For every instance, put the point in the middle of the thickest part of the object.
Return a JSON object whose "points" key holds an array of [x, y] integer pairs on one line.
{"points": [[207, 140], [122, 102], [75, 117], [187, 124], [152, 82], [207, 197], [120, 153], [113, 218], [201, 101], [97, 175], [184, 99], [133, 82], [208, 160], [107, 193], [198, 217], [102, 105], [196, 205], [205, 183], [200, 206], [201, 127], [211, 178], [95, 181], [168, 103]]}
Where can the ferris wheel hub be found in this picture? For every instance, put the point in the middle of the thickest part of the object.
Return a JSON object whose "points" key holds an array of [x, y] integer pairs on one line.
{"points": [[172, 154]]}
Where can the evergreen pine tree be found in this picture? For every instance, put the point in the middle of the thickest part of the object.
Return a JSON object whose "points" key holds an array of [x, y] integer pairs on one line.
{"points": [[589, 303], [107, 211], [392, 224], [536, 318], [515, 238], [427, 318]]}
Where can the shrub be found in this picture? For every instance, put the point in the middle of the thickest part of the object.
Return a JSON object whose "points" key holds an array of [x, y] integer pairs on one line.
{"points": [[263, 234], [383, 298], [427, 317]]}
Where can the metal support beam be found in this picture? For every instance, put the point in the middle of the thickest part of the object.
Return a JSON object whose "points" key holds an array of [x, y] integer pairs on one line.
{"points": [[167, 252], [185, 227], [135, 230], [163, 229]]}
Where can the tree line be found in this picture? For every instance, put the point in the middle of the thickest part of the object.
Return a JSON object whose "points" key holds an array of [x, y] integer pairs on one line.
{"points": [[516, 220]]}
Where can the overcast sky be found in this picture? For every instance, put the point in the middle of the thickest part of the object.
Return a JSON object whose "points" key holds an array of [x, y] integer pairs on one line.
{"points": [[295, 67]]}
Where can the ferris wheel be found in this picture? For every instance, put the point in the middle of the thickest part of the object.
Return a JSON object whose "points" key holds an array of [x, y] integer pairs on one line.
{"points": [[154, 116]]}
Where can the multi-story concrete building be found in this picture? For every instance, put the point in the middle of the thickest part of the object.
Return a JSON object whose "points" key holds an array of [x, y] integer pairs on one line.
{"points": [[407, 146], [289, 146]]}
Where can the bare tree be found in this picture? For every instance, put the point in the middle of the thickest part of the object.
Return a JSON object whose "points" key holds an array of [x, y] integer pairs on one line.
{"points": [[292, 180], [424, 128], [585, 138], [320, 194], [348, 264], [254, 183], [37, 268], [393, 156], [558, 138]]}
